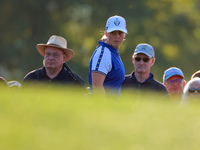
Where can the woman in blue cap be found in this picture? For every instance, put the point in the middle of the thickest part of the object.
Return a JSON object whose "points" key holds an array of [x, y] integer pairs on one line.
{"points": [[106, 70]]}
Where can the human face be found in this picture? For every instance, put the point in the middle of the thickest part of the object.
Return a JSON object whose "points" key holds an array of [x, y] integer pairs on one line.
{"points": [[53, 58], [175, 85], [142, 67], [194, 85], [115, 38]]}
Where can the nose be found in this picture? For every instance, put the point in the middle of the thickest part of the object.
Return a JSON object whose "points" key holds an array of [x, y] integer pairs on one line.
{"points": [[116, 35], [175, 83], [195, 92], [141, 61], [51, 56]]}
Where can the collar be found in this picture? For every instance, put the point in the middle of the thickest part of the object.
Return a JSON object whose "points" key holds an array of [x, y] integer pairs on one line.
{"points": [[43, 72], [108, 46], [61, 74], [134, 77]]}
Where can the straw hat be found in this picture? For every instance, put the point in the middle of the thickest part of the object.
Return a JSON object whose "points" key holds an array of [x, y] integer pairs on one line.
{"points": [[58, 42]]}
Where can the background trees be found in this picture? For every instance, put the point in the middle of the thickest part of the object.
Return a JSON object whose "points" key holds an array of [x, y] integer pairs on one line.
{"points": [[172, 27]]}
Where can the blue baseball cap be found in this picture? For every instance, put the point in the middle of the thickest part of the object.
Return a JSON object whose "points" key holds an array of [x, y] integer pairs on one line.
{"points": [[145, 49], [171, 72]]}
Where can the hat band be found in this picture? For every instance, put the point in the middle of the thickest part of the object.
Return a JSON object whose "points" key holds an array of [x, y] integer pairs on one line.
{"points": [[55, 45]]}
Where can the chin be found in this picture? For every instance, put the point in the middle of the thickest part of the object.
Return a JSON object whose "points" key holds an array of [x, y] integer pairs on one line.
{"points": [[50, 67], [141, 71]]}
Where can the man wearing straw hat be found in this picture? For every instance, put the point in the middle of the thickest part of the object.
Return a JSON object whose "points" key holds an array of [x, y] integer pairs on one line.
{"points": [[55, 54]]}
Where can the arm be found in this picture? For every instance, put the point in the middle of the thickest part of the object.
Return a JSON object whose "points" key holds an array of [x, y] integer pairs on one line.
{"points": [[97, 82]]}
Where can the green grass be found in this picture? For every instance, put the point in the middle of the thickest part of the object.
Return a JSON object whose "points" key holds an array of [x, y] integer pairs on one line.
{"points": [[65, 119]]}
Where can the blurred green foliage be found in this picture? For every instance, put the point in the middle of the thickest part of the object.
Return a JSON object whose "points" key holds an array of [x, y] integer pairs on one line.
{"points": [[172, 27]]}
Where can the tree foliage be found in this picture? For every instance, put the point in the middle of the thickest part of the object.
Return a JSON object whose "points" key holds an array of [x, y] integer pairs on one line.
{"points": [[172, 27]]}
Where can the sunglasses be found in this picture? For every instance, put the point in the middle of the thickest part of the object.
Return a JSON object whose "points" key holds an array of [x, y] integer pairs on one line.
{"points": [[138, 59], [178, 81], [192, 90]]}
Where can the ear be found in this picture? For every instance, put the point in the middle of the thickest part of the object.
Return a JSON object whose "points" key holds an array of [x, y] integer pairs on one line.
{"points": [[133, 60], [124, 35], [64, 57], [106, 34], [184, 83], [153, 60]]}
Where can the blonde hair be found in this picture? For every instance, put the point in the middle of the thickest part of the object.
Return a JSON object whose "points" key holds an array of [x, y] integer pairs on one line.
{"points": [[104, 37]]}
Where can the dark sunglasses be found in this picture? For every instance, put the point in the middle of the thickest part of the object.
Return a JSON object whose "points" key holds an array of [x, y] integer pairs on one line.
{"points": [[138, 59], [192, 90], [178, 81]]}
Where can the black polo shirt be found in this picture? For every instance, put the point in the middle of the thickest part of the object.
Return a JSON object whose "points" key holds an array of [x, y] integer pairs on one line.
{"points": [[64, 77], [150, 84]]}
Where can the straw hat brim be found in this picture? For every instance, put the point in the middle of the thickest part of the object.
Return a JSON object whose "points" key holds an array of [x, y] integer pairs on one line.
{"points": [[69, 53]]}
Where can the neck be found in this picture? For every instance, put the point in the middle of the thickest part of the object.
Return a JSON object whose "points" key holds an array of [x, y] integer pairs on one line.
{"points": [[142, 77], [52, 72], [116, 47]]}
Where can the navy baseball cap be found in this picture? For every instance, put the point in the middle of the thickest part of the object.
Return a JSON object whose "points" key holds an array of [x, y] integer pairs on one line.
{"points": [[171, 72], [145, 49]]}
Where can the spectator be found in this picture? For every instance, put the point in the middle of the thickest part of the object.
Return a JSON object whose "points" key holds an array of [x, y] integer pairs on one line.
{"points": [[173, 79], [55, 54], [141, 78], [192, 90], [3, 82], [14, 84], [196, 74]]}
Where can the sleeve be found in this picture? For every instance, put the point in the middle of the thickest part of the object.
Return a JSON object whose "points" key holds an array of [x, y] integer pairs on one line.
{"points": [[101, 62]]}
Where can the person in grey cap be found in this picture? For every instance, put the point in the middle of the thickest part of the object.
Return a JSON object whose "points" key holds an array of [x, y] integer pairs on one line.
{"points": [[173, 79], [141, 78]]}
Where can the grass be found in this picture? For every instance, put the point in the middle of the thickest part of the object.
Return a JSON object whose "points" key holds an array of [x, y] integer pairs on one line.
{"points": [[66, 119]]}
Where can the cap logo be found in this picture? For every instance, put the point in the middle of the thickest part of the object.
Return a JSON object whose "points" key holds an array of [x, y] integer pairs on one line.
{"points": [[143, 47], [116, 22]]}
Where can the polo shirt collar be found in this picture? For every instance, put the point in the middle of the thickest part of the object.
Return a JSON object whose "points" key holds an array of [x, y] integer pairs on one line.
{"points": [[148, 79], [43, 72], [61, 75], [108, 46]]}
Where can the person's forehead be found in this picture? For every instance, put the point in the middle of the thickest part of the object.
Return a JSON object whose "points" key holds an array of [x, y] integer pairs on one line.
{"points": [[174, 77], [141, 55], [195, 84], [52, 49], [115, 31]]}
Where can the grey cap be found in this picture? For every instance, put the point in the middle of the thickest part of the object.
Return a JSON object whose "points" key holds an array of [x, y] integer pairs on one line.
{"points": [[145, 49]]}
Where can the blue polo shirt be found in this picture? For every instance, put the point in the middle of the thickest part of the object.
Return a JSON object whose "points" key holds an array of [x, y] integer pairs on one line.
{"points": [[107, 61]]}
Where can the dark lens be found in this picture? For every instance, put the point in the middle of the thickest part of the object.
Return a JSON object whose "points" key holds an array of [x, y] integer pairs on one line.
{"points": [[191, 90], [171, 81], [178, 81], [137, 58], [198, 90], [146, 59]]}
